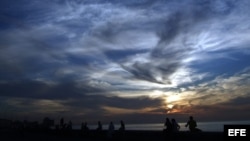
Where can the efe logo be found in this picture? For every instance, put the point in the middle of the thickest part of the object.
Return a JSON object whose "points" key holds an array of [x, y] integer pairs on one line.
{"points": [[236, 132]]}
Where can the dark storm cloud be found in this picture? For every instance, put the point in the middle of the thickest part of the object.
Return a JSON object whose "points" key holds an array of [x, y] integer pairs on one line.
{"points": [[128, 108], [38, 90], [29, 57], [43, 90], [239, 101], [90, 107], [84, 94], [98, 101], [122, 54]]}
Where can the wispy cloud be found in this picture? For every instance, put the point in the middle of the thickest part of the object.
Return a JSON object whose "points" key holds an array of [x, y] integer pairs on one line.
{"points": [[56, 50]]}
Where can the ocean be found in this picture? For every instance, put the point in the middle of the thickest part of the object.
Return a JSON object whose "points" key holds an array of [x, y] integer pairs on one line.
{"points": [[204, 126]]}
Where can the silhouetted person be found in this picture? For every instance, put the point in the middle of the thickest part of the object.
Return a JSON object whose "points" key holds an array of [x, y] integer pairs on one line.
{"points": [[192, 125], [175, 126], [47, 123], [122, 128], [84, 126], [99, 132], [111, 130], [168, 126], [62, 123], [99, 128], [69, 126], [85, 129]]}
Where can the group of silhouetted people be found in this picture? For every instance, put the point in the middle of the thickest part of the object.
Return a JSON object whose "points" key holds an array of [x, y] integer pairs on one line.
{"points": [[99, 132], [173, 126], [84, 127], [111, 126], [64, 126]]}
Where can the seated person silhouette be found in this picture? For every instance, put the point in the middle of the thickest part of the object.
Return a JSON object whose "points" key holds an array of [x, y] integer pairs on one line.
{"points": [[192, 125]]}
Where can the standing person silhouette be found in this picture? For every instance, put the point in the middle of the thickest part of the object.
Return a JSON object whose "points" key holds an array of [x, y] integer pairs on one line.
{"points": [[192, 125], [69, 126], [62, 123], [99, 132], [111, 130], [168, 125], [99, 128], [122, 128]]}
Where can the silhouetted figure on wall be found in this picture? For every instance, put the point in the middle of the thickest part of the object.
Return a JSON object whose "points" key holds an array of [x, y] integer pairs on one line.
{"points": [[168, 126], [69, 126], [175, 126], [47, 123], [111, 130], [85, 129], [84, 126], [99, 134], [121, 130], [62, 123], [192, 125], [99, 128]]}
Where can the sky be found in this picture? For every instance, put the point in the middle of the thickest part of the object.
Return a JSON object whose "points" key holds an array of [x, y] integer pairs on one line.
{"points": [[138, 61]]}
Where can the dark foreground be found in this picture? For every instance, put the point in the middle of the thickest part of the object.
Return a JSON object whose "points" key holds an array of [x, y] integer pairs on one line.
{"points": [[77, 135]]}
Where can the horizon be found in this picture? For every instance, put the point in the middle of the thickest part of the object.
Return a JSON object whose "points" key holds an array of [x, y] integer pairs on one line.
{"points": [[117, 122], [207, 126], [137, 61]]}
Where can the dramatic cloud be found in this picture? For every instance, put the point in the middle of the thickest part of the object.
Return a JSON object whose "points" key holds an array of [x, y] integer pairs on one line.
{"points": [[123, 58]]}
